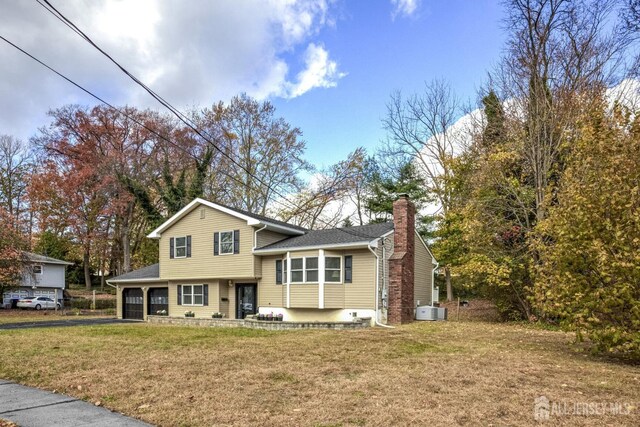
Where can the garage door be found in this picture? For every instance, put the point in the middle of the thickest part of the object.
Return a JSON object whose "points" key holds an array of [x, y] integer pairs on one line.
{"points": [[132, 300], [158, 300]]}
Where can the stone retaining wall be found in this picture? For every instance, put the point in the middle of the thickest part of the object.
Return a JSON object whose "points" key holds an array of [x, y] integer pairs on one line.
{"points": [[256, 324]]}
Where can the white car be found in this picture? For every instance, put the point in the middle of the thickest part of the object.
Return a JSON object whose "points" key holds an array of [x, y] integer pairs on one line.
{"points": [[38, 303]]}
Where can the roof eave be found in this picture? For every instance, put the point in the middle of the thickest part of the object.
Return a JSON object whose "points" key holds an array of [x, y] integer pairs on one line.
{"points": [[157, 233], [337, 246], [148, 279]]}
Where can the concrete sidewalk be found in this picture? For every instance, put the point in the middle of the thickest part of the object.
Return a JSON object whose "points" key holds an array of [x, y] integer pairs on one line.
{"points": [[31, 407]]}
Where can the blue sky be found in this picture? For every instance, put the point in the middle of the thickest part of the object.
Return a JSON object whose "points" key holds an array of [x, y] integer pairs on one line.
{"points": [[456, 40], [329, 66]]}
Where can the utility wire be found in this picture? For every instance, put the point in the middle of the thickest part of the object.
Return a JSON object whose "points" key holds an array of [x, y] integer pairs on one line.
{"points": [[186, 120], [124, 113], [183, 118]]}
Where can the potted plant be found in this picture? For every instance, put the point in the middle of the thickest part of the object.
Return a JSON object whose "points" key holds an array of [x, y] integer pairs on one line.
{"points": [[279, 317], [260, 316], [189, 313], [270, 317], [161, 312]]}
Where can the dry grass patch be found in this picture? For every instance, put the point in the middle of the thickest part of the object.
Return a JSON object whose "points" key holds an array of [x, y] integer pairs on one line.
{"points": [[446, 373]]}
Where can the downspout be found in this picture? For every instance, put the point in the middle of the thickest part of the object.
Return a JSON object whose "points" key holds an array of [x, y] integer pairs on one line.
{"points": [[377, 321], [255, 237], [433, 278]]}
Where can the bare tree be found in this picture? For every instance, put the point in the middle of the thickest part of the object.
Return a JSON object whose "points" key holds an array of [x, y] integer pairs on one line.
{"points": [[559, 54], [421, 128], [322, 203], [15, 164]]}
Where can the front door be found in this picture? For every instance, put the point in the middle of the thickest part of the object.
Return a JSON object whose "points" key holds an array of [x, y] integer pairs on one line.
{"points": [[158, 300], [133, 301], [246, 299]]}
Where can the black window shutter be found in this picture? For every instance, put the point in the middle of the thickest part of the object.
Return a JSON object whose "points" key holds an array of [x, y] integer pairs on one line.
{"points": [[171, 247], [188, 246], [205, 294], [179, 294], [348, 268], [216, 243], [278, 272], [236, 241]]}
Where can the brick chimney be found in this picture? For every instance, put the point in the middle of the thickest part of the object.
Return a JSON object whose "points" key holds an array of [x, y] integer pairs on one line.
{"points": [[401, 263]]}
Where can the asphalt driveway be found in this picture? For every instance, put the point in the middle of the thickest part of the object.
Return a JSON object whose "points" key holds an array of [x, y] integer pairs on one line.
{"points": [[60, 323]]}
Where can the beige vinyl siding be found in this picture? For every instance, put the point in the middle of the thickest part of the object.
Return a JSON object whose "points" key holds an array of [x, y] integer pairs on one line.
{"points": [[360, 293], [333, 295], [270, 294], [304, 296], [200, 311], [223, 292], [202, 262], [422, 285], [268, 237]]}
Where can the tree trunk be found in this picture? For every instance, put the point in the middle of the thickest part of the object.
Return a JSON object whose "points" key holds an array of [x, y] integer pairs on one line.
{"points": [[87, 268], [447, 278]]}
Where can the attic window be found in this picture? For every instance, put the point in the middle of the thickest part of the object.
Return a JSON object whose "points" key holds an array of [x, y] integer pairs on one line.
{"points": [[37, 269]]}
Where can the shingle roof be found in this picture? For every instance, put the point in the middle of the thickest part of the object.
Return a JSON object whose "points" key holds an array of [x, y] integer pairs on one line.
{"points": [[264, 218], [45, 259], [333, 236], [149, 272]]}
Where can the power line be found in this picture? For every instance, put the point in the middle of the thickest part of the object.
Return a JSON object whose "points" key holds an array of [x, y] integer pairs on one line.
{"points": [[124, 113], [183, 118]]}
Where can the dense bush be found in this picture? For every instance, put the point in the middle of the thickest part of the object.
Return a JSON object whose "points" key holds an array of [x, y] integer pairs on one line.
{"points": [[85, 304]]}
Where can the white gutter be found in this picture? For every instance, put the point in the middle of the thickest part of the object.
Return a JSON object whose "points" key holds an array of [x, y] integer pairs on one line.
{"points": [[351, 245], [378, 288]]}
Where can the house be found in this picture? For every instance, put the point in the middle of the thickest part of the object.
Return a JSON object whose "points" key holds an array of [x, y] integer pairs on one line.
{"points": [[217, 259], [43, 276]]}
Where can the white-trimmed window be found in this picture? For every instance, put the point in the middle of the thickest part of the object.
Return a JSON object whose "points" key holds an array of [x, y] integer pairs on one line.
{"points": [[226, 242], [192, 295], [333, 269], [297, 270], [303, 270], [37, 269], [180, 249], [311, 269]]}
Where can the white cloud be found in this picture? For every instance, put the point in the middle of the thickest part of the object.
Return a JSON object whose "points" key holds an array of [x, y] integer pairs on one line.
{"points": [[320, 71], [404, 7], [192, 53]]}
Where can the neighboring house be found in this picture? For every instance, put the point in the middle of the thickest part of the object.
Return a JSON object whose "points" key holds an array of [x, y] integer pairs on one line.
{"points": [[218, 259], [43, 276]]}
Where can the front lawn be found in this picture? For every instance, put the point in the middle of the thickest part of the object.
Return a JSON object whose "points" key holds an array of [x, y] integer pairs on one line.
{"points": [[446, 373]]}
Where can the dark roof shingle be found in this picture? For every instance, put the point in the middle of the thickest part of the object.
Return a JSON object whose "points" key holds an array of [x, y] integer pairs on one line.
{"points": [[45, 259], [333, 236], [149, 272]]}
